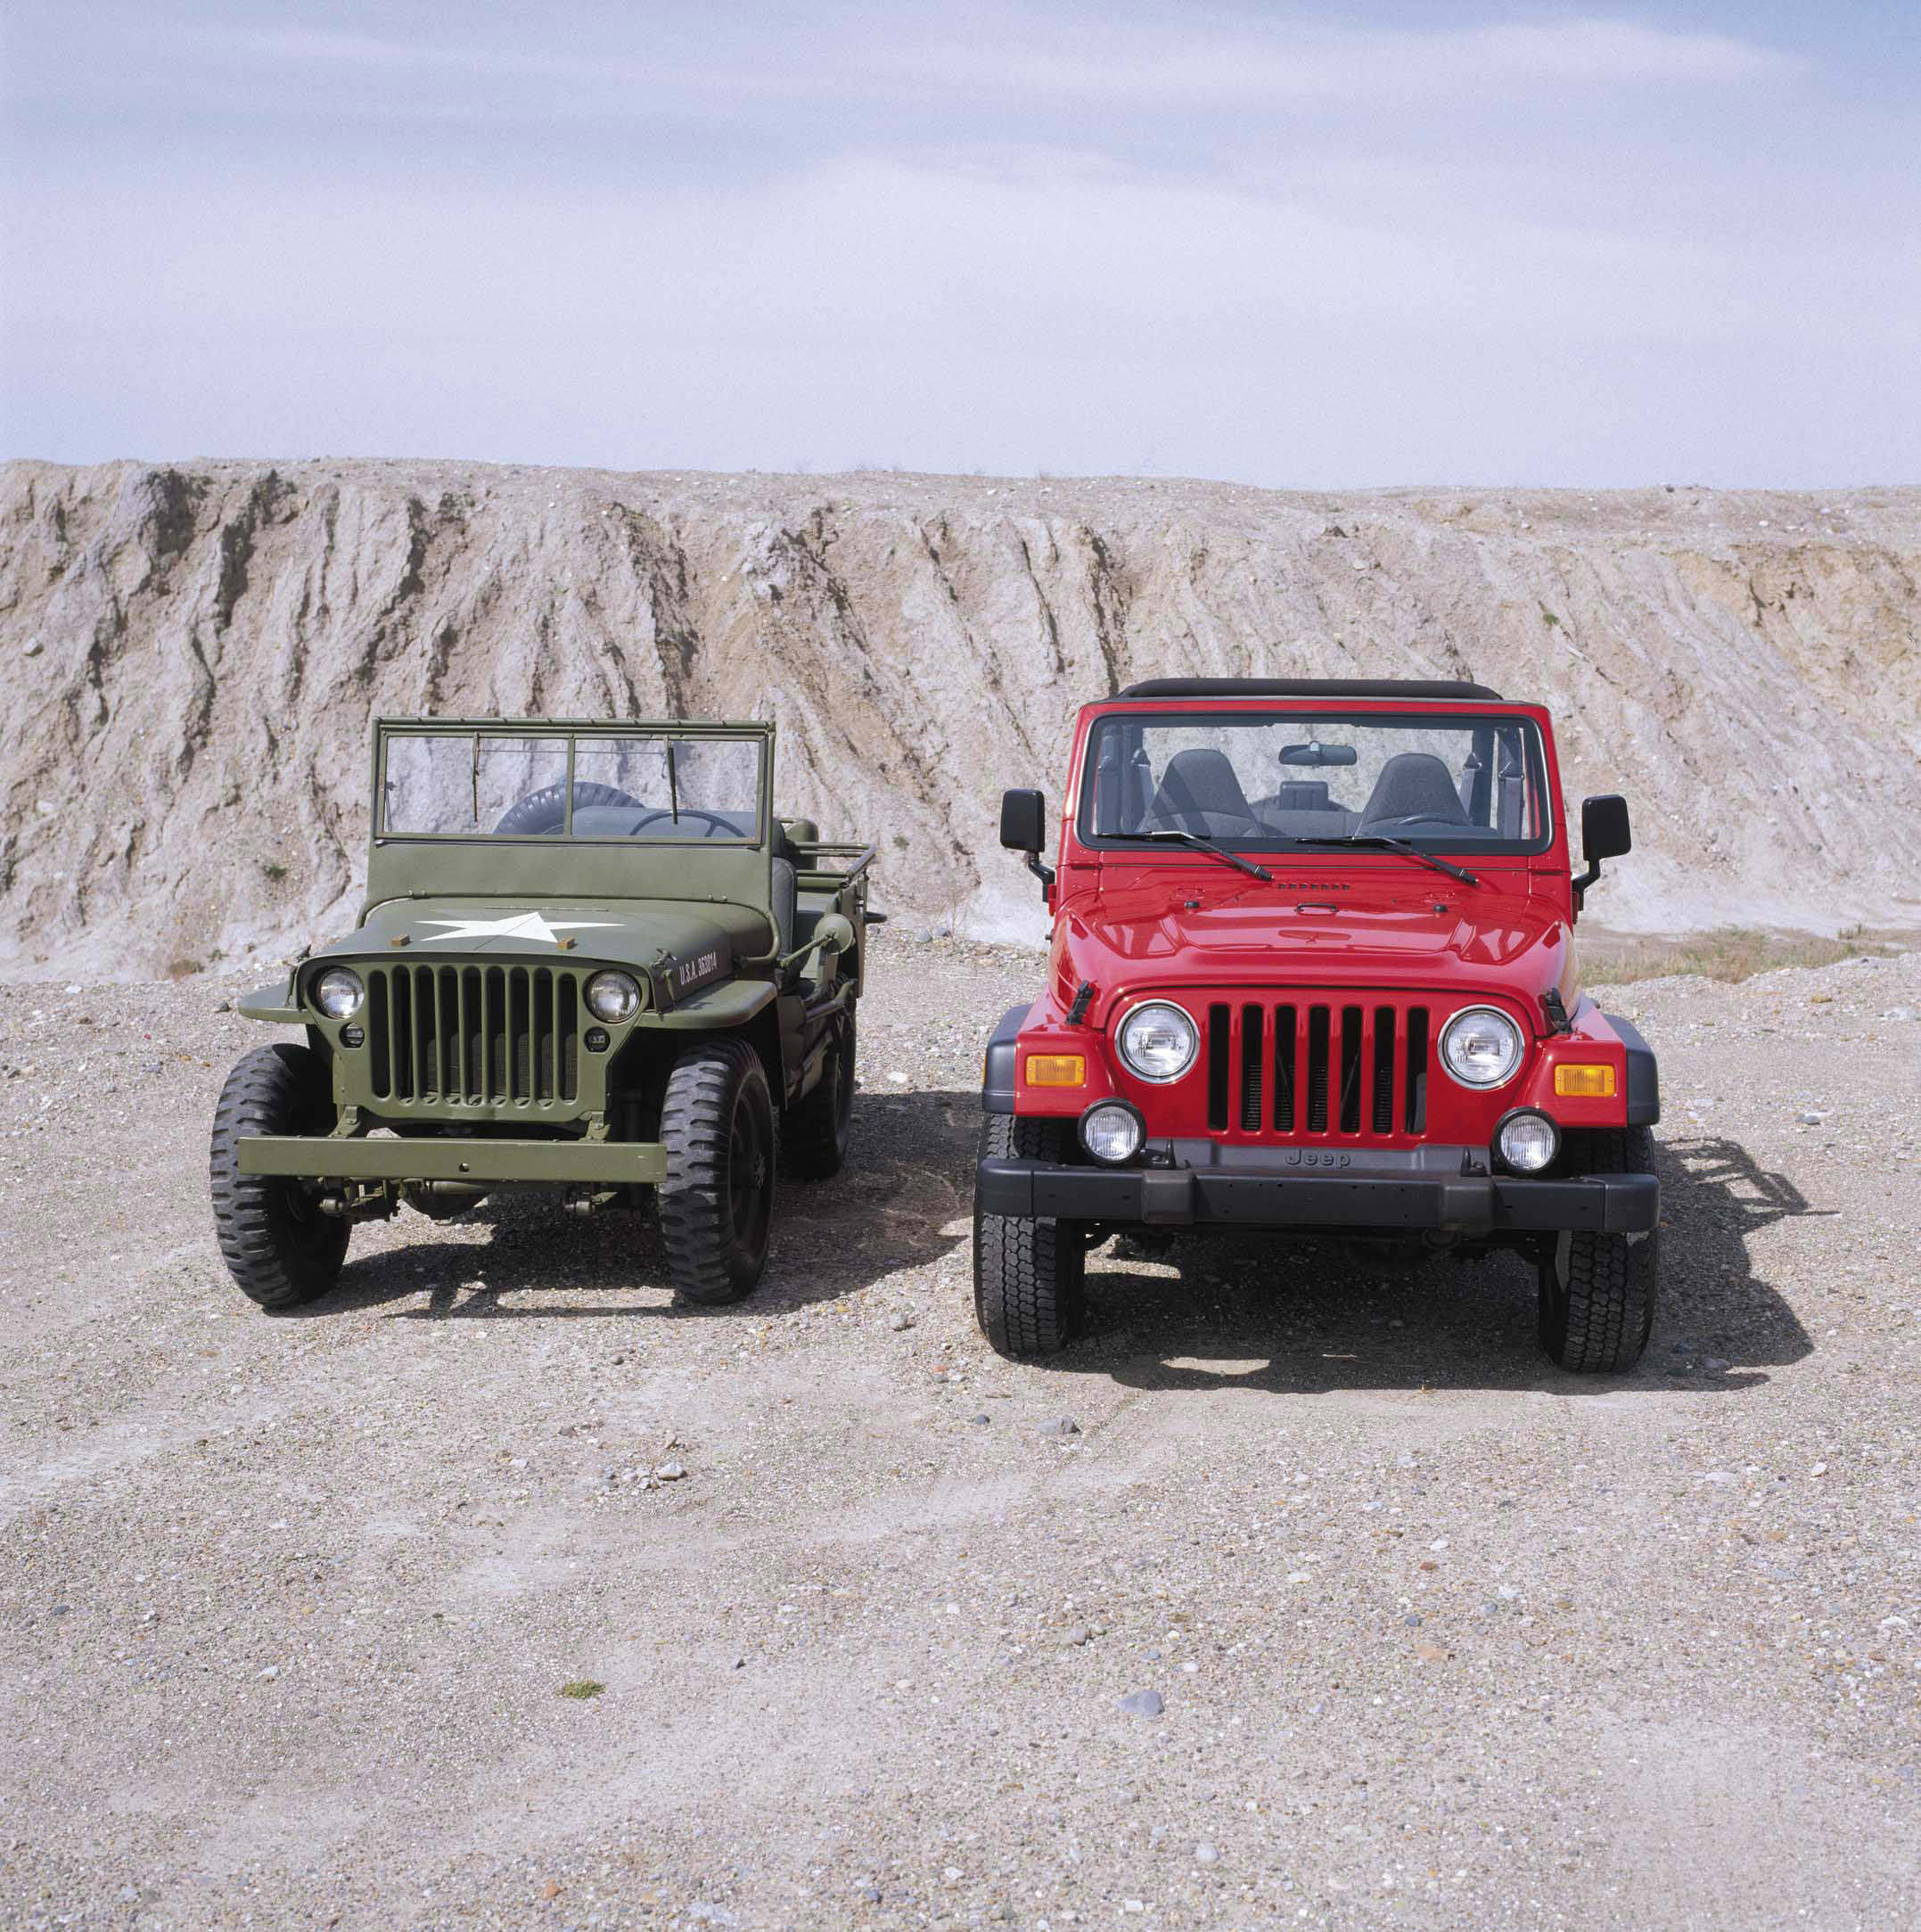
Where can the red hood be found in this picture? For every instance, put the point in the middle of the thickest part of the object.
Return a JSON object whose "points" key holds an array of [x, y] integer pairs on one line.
{"points": [[1375, 930]]}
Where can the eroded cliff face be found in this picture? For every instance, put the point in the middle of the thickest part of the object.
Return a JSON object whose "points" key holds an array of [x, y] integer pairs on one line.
{"points": [[192, 656]]}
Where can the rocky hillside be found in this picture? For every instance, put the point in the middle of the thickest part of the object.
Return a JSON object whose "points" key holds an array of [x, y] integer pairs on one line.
{"points": [[192, 656]]}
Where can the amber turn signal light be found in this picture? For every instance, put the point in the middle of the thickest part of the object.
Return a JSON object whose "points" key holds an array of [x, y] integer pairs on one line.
{"points": [[1584, 1083], [1056, 1070]]}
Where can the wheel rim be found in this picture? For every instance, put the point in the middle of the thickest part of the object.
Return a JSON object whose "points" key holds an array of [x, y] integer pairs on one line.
{"points": [[307, 1226], [749, 1173]]}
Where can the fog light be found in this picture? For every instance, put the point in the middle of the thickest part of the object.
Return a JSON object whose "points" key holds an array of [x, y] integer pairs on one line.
{"points": [[1111, 1131], [1527, 1142], [1584, 1083]]}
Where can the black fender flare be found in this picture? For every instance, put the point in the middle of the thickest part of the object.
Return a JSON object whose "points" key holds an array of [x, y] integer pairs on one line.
{"points": [[996, 1078], [1644, 1077]]}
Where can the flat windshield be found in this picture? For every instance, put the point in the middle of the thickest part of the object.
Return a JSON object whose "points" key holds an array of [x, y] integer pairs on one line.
{"points": [[647, 785], [1266, 781]]}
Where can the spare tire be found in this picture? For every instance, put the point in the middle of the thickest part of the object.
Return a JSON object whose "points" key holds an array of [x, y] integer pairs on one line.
{"points": [[545, 810]]}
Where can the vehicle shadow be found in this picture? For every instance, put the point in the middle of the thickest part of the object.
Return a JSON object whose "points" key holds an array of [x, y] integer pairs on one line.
{"points": [[908, 1177], [1311, 1317]]}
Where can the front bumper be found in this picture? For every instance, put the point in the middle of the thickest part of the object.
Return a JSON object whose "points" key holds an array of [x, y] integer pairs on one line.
{"points": [[1408, 1196], [605, 1163]]}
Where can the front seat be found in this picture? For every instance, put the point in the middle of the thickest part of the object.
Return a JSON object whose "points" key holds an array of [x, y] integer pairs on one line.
{"points": [[1197, 788], [1413, 784]]}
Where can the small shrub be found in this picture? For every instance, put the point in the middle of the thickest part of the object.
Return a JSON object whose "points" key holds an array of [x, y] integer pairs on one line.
{"points": [[182, 969], [1739, 953], [582, 1686], [1549, 619], [275, 872]]}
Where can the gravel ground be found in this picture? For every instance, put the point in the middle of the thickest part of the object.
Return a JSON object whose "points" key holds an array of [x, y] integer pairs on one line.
{"points": [[1434, 1635]]}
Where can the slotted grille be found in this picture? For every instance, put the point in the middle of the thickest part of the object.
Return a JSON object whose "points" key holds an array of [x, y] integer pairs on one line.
{"points": [[448, 1035], [1312, 1068]]}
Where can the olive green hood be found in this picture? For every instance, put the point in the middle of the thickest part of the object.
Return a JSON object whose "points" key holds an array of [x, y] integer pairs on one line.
{"points": [[696, 943]]}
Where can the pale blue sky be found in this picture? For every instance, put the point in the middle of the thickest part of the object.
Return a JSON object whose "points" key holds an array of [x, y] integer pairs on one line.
{"points": [[1296, 245]]}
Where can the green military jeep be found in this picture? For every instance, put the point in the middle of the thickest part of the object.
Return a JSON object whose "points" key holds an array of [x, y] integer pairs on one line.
{"points": [[590, 958]]}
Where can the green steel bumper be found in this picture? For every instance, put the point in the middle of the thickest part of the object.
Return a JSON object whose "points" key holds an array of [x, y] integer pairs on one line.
{"points": [[605, 1163]]}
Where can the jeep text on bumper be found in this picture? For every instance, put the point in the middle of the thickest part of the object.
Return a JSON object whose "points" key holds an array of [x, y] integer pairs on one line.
{"points": [[1447, 1189]]}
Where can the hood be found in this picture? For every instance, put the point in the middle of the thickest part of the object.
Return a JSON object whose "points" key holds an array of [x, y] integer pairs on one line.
{"points": [[1427, 932], [702, 939]]}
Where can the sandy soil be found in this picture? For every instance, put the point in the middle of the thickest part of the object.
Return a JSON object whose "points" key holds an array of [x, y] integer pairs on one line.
{"points": [[1444, 1638]]}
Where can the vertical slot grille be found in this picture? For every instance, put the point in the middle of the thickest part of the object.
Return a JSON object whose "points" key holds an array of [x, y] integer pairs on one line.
{"points": [[1381, 1111], [1317, 1032], [1357, 1070], [450, 1035], [1351, 1058], [1416, 1085], [1218, 1049], [1283, 1068], [1252, 1086]]}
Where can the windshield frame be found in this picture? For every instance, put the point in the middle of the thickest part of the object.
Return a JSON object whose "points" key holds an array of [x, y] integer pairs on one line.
{"points": [[1282, 844], [574, 731]]}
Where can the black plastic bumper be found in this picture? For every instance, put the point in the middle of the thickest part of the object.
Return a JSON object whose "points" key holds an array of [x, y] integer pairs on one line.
{"points": [[1196, 1196]]}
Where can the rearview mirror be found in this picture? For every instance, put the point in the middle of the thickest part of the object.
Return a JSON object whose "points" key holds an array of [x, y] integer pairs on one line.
{"points": [[1604, 834], [1318, 754]]}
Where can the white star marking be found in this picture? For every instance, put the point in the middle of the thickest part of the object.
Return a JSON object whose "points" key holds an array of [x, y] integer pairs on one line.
{"points": [[516, 925]]}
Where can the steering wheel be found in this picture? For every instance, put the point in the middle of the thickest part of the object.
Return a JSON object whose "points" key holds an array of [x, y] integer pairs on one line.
{"points": [[545, 810], [719, 826], [1412, 819]]}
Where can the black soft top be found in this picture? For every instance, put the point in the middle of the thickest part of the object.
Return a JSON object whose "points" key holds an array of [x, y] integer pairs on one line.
{"points": [[1305, 687]]}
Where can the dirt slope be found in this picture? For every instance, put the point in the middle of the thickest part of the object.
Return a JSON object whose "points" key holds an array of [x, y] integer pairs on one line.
{"points": [[192, 656]]}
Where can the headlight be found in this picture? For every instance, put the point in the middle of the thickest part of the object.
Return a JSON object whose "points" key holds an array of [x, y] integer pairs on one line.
{"points": [[1111, 1130], [612, 997], [1159, 1041], [337, 992], [1527, 1142], [1480, 1047]]}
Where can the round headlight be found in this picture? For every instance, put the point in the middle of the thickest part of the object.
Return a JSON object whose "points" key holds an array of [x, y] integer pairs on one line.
{"points": [[337, 992], [1527, 1142], [1480, 1047], [1111, 1130], [1159, 1041], [612, 997]]}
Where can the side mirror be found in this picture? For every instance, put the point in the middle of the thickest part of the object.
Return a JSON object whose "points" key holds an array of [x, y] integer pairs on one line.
{"points": [[1604, 827], [1024, 828], [1605, 834], [1023, 821]]}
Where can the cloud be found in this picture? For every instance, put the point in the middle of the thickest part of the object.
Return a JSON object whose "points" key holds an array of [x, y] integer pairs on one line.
{"points": [[1176, 59]]}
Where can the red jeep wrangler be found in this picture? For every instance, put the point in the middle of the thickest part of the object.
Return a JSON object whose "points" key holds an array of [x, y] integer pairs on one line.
{"points": [[1313, 970]]}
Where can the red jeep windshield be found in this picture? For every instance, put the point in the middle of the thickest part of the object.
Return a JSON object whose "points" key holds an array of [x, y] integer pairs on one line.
{"points": [[1266, 781]]}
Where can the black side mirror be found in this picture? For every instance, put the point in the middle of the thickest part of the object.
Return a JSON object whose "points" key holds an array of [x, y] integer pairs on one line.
{"points": [[1024, 828], [1023, 821], [1605, 834]]}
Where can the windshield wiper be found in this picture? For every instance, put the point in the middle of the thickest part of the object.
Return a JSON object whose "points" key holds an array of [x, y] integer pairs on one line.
{"points": [[1400, 846], [1200, 844]]}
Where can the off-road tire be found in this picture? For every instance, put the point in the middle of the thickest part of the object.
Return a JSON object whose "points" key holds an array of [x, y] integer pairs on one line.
{"points": [[717, 1202], [1028, 1275], [813, 1141], [1598, 1291], [277, 1244]]}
